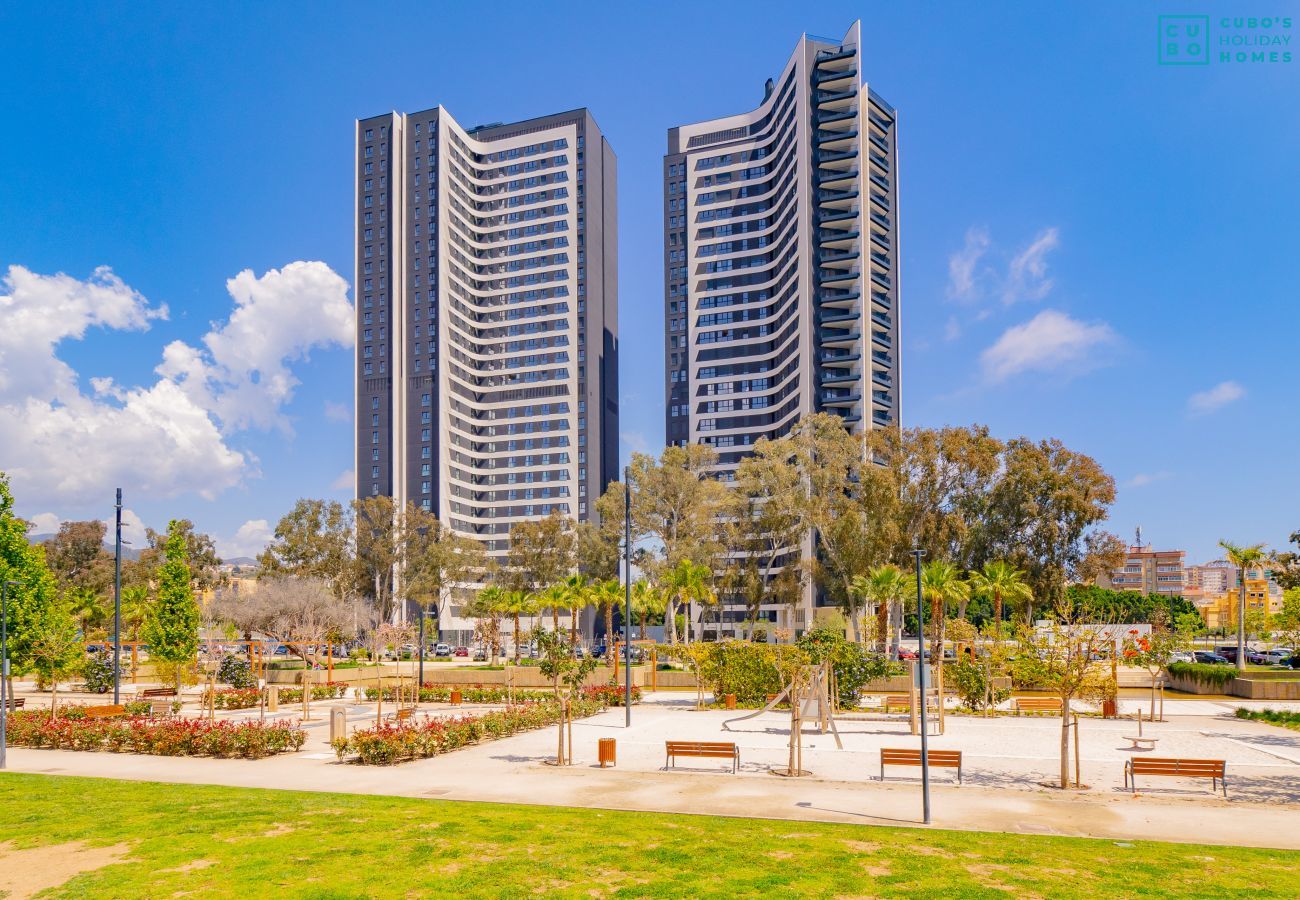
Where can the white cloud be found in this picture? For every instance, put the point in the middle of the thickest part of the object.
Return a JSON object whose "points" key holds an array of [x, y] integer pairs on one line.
{"points": [[1027, 274], [66, 448], [962, 265], [1220, 395], [345, 482], [338, 412], [1050, 341], [241, 375], [250, 540], [45, 523]]}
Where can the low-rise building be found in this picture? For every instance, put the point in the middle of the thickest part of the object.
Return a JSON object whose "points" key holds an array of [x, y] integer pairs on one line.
{"points": [[1149, 571]]}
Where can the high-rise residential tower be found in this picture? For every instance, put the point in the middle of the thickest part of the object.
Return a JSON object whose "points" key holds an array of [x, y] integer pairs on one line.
{"points": [[781, 260], [781, 257], [487, 317]]}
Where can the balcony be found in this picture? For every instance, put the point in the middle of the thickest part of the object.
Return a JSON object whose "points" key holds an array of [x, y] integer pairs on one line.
{"points": [[829, 176], [882, 418], [881, 319], [838, 198], [827, 277], [882, 339], [838, 358], [831, 76], [839, 299], [840, 339], [847, 376], [882, 300], [880, 200], [879, 141], [882, 378], [828, 216], [880, 180], [825, 98], [832, 139], [881, 279], [829, 156], [829, 56], [882, 397], [841, 319], [833, 237], [847, 115], [835, 398], [881, 259], [835, 258], [882, 359], [880, 240]]}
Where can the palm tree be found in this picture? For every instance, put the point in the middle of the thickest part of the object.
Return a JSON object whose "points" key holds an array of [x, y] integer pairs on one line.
{"points": [[87, 607], [688, 583], [1251, 556], [516, 604], [1002, 582], [646, 598], [555, 597], [941, 584], [608, 594], [577, 595], [888, 586]]}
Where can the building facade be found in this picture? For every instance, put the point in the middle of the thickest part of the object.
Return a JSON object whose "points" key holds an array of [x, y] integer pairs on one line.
{"points": [[781, 263], [487, 318], [1149, 571]]}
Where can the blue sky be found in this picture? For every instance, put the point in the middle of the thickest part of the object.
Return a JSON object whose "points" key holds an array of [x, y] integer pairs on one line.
{"points": [[1095, 247]]}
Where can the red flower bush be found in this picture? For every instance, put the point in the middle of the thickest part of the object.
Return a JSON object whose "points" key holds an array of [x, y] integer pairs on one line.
{"points": [[155, 737]]}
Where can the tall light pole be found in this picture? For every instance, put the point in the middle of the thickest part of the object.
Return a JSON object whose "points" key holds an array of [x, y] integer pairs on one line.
{"points": [[4, 663], [117, 606], [627, 595], [920, 664]]}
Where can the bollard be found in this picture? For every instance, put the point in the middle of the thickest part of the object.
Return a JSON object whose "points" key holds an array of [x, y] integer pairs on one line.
{"points": [[338, 724], [273, 697]]}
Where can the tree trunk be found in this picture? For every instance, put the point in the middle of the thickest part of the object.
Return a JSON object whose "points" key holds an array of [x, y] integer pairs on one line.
{"points": [[54, 697], [609, 628], [516, 638], [1065, 742], [882, 627], [555, 619], [671, 612], [997, 617], [573, 626], [1241, 623]]}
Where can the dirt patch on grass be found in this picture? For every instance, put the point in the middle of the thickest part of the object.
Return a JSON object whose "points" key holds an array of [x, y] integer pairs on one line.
{"points": [[25, 873], [193, 866], [279, 829]]}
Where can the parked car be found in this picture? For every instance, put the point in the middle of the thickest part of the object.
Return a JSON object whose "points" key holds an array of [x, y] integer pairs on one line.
{"points": [[1181, 656], [442, 650], [1278, 656], [1205, 656], [1255, 657], [461, 651], [1228, 652], [904, 653], [579, 653], [480, 654]]}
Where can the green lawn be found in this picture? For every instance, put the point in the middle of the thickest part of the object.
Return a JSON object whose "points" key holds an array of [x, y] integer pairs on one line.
{"points": [[211, 841]]}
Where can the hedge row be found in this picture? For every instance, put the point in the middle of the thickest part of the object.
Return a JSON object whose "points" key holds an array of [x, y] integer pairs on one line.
{"points": [[154, 737]]}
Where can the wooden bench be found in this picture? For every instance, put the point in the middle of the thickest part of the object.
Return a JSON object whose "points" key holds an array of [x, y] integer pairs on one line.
{"points": [[403, 715], [1213, 769], [1036, 704], [160, 708], [12, 703], [105, 712], [705, 749], [898, 756], [155, 693], [902, 701]]}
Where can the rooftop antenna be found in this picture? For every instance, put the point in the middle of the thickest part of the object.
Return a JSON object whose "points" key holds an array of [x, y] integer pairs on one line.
{"points": [[1139, 537]]}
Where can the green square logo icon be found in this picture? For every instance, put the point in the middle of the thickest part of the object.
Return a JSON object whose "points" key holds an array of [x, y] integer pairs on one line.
{"points": [[1184, 40]]}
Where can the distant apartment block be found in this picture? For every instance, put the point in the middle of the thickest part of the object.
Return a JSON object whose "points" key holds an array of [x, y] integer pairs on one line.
{"points": [[1149, 571], [487, 318]]}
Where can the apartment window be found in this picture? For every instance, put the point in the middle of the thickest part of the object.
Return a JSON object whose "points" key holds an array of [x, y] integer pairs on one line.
{"points": [[374, 471], [370, 134], [374, 455], [374, 437]]}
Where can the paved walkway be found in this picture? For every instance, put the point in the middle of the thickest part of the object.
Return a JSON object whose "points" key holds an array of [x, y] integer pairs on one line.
{"points": [[1005, 760]]}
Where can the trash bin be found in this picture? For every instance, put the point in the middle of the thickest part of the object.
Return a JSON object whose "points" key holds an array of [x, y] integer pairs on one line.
{"points": [[455, 698], [730, 700], [606, 752]]}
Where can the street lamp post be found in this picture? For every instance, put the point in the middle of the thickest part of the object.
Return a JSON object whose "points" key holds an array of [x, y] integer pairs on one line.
{"points": [[920, 662], [4, 664], [627, 595], [117, 606]]}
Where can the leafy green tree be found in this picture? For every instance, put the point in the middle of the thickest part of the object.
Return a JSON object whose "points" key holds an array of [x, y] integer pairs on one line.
{"points": [[57, 650], [541, 555], [172, 628], [647, 601], [35, 591], [516, 604], [313, 540], [567, 673], [1244, 557], [1002, 582]]}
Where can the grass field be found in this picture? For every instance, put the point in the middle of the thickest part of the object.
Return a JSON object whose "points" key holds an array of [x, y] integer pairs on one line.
{"points": [[211, 841]]}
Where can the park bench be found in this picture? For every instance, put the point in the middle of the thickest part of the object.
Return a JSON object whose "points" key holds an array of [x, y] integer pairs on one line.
{"points": [[403, 715], [155, 693], [704, 749], [1036, 704], [902, 701], [12, 703], [105, 712], [898, 756], [160, 708], [1213, 769]]}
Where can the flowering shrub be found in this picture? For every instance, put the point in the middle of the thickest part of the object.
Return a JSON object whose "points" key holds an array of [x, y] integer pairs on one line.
{"points": [[98, 672], [234, 698], [331, 690], [237, 672], [155, 737], [610, 694], [386, 744]]}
